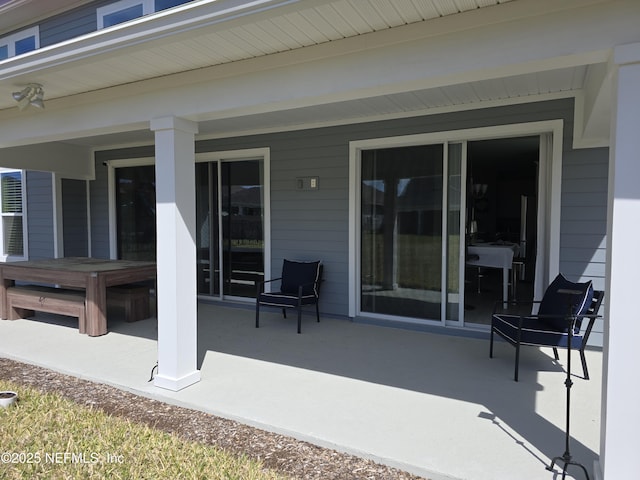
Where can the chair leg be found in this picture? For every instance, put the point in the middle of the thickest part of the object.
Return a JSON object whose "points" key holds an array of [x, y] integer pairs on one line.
{"points": [[299, 319], [515, 377], [555, 353], [257, 314], [317, 312], [491, 344], [585, 370], [284, 312]]}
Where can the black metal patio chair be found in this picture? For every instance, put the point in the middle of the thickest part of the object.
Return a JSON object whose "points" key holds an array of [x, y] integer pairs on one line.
{"points": [[560, 314], [299, 286]]}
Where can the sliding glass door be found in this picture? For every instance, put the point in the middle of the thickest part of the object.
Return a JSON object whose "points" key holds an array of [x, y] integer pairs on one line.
{"points": [[410, 231], [401, 231], [229, 222], [230, 227], [135, 199]]}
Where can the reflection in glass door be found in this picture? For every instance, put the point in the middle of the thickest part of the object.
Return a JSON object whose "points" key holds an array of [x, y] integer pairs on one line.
{"points": [[229, 218], [401, 231], [136, 212], [207, 228]]}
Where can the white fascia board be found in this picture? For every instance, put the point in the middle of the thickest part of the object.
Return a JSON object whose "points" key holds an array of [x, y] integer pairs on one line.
{"points": [[135, 33]]}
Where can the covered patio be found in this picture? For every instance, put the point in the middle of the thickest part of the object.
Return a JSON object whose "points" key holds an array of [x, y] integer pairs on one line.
{"points": [[429, 403], [177, 88]]}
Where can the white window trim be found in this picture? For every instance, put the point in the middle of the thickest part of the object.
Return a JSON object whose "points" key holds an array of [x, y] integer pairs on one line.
{"points": [[552, 227], [11, 40], [148, 6], [25, 247]]}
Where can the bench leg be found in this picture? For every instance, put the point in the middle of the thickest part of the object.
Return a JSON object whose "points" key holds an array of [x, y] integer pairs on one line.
{"points": [[136, 309], [15, 313], [82, 321]]}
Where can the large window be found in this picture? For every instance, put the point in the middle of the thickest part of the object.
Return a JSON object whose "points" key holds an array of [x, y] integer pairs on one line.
{"points": [[19, 43], [11, 188]]}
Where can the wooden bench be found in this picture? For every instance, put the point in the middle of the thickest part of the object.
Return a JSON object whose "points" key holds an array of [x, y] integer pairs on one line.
{"points": [[24, 300], [133, 297]]}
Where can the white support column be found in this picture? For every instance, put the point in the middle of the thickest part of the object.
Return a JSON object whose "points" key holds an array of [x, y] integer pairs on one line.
{"points": [[176, 252], [620, 396]]}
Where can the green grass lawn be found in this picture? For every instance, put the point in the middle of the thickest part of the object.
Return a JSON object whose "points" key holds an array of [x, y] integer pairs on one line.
{"points": [[46, 436]]}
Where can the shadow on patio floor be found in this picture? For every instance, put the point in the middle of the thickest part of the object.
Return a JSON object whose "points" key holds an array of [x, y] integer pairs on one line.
{"points": [[431, 404], [448, 367]]}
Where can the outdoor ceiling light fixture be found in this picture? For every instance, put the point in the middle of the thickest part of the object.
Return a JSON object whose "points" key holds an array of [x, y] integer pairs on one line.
{"points": [[32, 94]]}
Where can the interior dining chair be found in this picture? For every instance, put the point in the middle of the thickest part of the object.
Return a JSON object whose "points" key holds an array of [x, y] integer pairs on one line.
{"points": [[299, 286]]}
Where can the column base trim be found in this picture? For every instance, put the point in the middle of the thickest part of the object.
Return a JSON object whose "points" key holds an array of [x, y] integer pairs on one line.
{"points": [[175, 384]]}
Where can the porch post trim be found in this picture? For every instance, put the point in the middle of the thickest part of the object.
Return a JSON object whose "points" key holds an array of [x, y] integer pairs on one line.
{"points": [[176, 253], [620, 414]]}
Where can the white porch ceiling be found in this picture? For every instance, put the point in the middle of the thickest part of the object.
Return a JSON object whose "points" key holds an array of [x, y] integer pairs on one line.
{"points": [[202, 34], [384, 106]]}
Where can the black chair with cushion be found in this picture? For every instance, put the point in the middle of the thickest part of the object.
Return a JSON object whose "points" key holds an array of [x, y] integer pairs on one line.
{"points": [[299, 287], [564, 303]]}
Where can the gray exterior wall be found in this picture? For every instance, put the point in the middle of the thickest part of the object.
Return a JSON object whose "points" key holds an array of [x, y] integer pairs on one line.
{"points": [[99, 205], [314, 224], [584, 214], [74, 219], [40, 215]]}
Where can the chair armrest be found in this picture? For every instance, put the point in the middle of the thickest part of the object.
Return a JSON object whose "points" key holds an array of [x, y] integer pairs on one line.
{"points": [[522, 319], [267, 281], [587, 332], [260, 284], [512, 303]]}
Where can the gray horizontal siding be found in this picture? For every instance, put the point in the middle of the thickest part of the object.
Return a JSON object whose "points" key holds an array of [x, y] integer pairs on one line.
{"points": [[99, 206], [314, 224], [584, 214], [71, 24], [584, 220], [75, 231], [39, 190]]}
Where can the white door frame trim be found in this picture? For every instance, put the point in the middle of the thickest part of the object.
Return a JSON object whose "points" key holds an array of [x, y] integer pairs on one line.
{"points": [[263, 153], [552, 224]]}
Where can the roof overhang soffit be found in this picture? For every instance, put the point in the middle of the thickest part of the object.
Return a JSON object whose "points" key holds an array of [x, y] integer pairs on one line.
{"points": [[165, 26]]}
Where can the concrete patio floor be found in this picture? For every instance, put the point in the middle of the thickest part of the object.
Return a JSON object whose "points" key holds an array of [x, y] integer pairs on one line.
{"points": [[431, 404]]}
